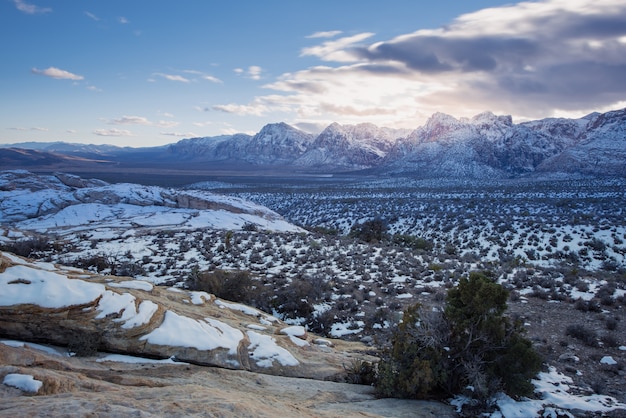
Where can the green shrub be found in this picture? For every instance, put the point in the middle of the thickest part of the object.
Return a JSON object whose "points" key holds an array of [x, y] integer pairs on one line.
{"points": [[470, 344], [374, 230]]}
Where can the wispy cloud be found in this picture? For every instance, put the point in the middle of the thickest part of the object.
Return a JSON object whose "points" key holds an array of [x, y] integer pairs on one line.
{"points": [[113, 132], [203, 76], [36, 128], [173, 77], [242, 110], [122, 20], [253, 72], [337, 50], [327, 34], [92, 16], [140, 120], [130, 120], [58, 74], [30, 9], [181, 134], [529, 59]]}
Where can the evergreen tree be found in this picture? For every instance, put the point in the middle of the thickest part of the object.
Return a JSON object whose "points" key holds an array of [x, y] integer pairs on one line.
{"points": [[470, 344]]}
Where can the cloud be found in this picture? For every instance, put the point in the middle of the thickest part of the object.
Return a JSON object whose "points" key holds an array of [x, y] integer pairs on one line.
{"points": [[36, 128], [92, 16], [30, 9], [211, 78], [337, 50], [253, 72], [530, 59], [122, 20], [252, 109], [181, 134], [327, 34], [203, 76], [113, 132], [174, 77], [130, 120], [57, 73]]}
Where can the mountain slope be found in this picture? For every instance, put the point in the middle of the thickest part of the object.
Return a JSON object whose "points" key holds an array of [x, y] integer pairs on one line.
{"points": [[484, 146]]}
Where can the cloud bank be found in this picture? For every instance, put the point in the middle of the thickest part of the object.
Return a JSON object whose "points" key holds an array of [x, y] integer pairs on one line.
{"points": [[529, 59]]}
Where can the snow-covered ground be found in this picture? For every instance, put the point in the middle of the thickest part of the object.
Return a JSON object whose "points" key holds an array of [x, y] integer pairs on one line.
{"points": [[561, 242]]}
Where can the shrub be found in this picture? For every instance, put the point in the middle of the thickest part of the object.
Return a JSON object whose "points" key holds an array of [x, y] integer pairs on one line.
{"points": [[582, 333], [28, 247], [470, 343], [236, 286], [360, 372], [374, 230], [84, 343]]}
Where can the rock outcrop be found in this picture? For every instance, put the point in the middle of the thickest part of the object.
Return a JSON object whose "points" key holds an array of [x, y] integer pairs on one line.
{"points": [[45, 303]]}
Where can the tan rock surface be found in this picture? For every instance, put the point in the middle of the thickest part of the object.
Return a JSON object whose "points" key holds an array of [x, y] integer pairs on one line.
{"points": [[83, 387]]}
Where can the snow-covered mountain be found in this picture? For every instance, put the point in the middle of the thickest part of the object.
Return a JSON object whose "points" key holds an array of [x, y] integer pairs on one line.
{"points": [[486, 145]]}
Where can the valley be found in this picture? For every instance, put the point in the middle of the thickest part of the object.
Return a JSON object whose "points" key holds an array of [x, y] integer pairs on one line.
{"points": [[556, 244]]}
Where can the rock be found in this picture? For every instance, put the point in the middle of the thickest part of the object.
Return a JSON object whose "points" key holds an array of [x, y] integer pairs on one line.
{"points": [[88, 386], [88, 313], [568, 358]]}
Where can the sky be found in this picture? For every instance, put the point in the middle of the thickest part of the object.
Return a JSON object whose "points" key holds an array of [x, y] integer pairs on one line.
{"points": [[151, 72]]}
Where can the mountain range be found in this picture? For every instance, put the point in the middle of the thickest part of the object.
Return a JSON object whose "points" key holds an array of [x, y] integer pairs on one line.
{"points": [[485, 146]]}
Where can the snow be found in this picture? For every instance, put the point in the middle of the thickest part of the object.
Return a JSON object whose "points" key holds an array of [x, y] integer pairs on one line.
{"points": [[24, 382], [46, 349], [608, 360], [295, 330], [340, 329], [199, 298], [114, 303], [245, 309], [122, 358], [553, 388], [182, 331], [265, 351], [147, 308], [133, 284], [25, 285]]}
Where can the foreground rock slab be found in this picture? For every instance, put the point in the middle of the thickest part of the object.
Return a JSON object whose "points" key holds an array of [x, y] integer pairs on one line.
{"points": [[85, 386]]}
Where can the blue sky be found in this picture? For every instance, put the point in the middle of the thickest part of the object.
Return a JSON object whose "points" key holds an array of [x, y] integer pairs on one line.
{"points": [[150, 72]]}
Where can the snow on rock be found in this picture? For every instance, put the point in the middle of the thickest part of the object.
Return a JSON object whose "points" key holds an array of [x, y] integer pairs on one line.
{"points": [[122, 358], [24, 382], [46, 204], [556, 394], [25, 285], [265, 351], [608, 360], [57, 306], [295, 331], [199, 298], [177, 330], [133, 284]]}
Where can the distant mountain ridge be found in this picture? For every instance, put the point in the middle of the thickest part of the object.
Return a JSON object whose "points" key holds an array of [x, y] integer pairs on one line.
{"points": [[484, 146]]}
